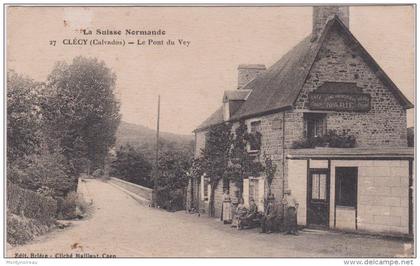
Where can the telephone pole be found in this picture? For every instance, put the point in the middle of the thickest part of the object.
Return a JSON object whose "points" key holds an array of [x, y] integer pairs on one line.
{"points": [[156, 175]]}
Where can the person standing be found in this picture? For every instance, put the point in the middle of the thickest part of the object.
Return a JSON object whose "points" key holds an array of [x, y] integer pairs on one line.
{"points": [[291, 206], [226, 208], [270, 219]]}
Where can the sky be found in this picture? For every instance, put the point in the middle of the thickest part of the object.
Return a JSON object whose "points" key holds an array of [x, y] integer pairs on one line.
{"points": [[191, 79]]}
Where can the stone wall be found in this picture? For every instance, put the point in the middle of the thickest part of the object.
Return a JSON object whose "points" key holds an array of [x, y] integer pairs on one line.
{"points": [[297, 183], [218, 200], [272, 145], [144, 193], [384, 125]]}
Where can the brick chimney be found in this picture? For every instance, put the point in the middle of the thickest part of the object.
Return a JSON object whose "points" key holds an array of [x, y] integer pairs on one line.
{"points": [[322, 14], [247, 72]]}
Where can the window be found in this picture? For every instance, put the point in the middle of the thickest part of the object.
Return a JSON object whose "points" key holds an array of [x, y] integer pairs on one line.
{"points": [[346, 186], [255, 129], [255, 126], [315, 125], [319, 184], [205, 184], [254, 188]]}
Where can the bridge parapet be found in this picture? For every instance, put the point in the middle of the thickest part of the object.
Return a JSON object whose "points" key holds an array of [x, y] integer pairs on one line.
{"points": [[140, 193]]}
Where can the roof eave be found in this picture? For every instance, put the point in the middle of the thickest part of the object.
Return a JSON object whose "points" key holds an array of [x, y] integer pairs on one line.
{"points": [[267, 112], [249, 116]]}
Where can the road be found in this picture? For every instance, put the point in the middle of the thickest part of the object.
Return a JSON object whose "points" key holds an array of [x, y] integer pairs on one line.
{"points": [[119, 226]]}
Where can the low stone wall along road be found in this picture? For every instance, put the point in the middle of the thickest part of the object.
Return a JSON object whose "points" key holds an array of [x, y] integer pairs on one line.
{"points": [[122, 227]]}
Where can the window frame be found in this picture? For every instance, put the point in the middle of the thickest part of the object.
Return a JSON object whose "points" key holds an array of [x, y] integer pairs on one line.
{"points": [[307, 117], [319, 186], [259, 186], [205, 189], [249, 128], [338, 186]]}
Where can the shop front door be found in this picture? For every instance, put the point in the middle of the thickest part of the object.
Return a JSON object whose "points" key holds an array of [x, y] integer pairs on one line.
{"points": [[318, 198]]}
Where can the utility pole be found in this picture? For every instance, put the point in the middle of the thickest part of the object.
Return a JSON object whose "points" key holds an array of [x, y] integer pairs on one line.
{"points": [[156, 176]]}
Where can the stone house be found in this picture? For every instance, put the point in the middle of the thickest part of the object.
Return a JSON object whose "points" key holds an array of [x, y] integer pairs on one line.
{"points": [[326, 82]]}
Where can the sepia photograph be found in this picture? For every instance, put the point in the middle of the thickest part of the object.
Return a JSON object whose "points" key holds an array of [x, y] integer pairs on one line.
{"points": [[210, 131]]}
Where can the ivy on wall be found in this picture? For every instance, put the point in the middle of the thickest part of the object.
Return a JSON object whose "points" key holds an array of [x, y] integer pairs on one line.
{"points": [[227, 156]]}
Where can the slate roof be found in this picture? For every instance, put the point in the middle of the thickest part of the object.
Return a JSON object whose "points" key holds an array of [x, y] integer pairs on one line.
{"points": [[279, 86], [214, 119]]}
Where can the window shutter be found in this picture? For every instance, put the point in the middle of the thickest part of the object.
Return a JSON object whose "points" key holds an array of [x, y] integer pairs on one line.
{"points": [[202, 187], [261, 193], [246, 192]]}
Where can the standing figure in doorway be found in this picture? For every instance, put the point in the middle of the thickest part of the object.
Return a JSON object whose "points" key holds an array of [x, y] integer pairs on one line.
{"points": [[291, 206]]}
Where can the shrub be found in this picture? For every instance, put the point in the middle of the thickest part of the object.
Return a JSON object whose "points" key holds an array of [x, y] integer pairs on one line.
{"points": [[173, 180], [45, 191], [30, 204], [68, 206], [98, 173], [132, 165], [171, 200], [45, 171], [73, 206], [21, 229]]}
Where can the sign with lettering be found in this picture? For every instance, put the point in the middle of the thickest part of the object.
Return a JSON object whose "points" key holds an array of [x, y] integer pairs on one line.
{"points": [[339, 101]]}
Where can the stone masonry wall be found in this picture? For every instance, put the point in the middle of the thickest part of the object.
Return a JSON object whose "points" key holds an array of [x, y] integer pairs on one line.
{"points": [[272, 145], [218, 200], [384, 125]]}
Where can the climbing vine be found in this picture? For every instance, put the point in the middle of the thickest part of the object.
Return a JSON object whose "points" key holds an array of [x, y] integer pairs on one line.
{"points": [[242, 162], [214, 159], [227, 156]]}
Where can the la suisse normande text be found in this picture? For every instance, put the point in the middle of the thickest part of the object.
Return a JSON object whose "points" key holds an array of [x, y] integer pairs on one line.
{"points": [[105, 32]]}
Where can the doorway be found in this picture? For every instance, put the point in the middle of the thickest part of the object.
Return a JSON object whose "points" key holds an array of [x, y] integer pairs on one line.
{"points": [[318, 198]]}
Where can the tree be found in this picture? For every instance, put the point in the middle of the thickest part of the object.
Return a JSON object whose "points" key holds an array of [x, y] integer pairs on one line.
{"points": [[173, 180], [270, 170], [33, 162], [131, 165], [23, 116], [243, 164], [215, 157], [81, 111]]}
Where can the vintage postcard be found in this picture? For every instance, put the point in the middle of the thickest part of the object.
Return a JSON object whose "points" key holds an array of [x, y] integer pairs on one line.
{"points": [[210, 131]]}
